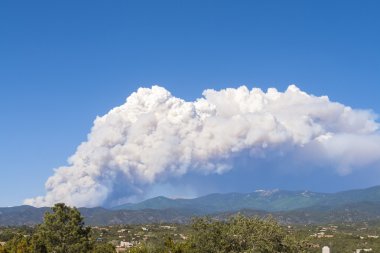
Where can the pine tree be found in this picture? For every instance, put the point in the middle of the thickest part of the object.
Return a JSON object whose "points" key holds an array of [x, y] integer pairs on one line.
{"points": [[63, 231]]}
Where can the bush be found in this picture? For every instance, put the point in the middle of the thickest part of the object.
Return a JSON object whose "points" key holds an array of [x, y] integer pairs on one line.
{"points": [[242, 234]]}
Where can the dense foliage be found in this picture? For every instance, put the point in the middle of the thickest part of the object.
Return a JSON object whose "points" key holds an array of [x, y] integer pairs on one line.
{"points": [[238, 234], [63, 231], [201, 235], [242, 234]]}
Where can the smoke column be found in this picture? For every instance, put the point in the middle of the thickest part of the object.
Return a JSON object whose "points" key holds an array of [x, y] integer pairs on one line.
{"points": [[155, 137]]}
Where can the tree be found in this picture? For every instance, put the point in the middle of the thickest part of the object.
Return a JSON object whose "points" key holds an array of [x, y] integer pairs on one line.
{"points": [[104, 248], [167, 245], [62, 231], [38, 245], [242, 234], [139, 249], [18, 244], [238, 234]]}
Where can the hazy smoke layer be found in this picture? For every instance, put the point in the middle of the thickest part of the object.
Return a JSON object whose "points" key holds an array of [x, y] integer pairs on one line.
{"points": [[155, 136]]}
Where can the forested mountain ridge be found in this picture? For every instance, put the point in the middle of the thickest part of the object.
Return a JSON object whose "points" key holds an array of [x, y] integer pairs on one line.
{"points": [[272, 200], [299, 207]]}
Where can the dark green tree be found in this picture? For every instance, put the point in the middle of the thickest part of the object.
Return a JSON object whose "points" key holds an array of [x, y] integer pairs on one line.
{"points": [[63, 231], [139, 249], [18, 244], [175, 247], [104, 248], [38, 245], [243, 234]]}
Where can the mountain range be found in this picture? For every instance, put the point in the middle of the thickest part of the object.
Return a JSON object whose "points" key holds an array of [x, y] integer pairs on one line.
{"points": [[272, 200], [299, 207]]}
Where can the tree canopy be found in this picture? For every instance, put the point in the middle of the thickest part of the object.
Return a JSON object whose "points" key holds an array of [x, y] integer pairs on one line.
{"points": [[242, 234], [62, 231], [238, 234]]}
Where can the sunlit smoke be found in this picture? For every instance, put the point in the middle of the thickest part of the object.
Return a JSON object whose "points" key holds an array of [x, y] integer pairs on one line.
{"points": [[155, 137]]}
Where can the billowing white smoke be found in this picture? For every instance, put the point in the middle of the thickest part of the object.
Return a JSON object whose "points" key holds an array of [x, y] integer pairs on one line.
{"points": [[155, 136]]}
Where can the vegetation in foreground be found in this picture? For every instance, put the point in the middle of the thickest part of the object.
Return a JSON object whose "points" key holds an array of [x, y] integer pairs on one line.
{"points": [[238, 234], [64, 231]]}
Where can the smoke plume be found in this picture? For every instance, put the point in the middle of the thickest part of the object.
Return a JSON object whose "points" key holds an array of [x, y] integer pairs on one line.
{"points": [[155, 137]]}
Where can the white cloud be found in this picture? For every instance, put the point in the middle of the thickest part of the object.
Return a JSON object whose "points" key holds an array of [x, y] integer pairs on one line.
{"points": [[155, 136]]}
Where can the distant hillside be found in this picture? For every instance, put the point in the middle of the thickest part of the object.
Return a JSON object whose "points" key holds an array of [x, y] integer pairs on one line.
{"points": [[274, 200], [100, 216], [261, 200], [28, 215], [21, 215], [286, 206], [355, 212]]}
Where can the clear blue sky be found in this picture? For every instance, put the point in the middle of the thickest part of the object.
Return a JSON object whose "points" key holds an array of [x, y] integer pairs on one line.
{"points": [[64, 62]]}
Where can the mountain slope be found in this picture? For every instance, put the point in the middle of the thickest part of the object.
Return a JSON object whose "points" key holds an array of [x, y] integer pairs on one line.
{"points": [[262, 200], [21, 215], [354, 212], [300, 207], [274, 200]]}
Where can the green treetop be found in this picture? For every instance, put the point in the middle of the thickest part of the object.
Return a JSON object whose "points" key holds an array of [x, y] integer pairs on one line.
{"points": [[63, 231]]}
